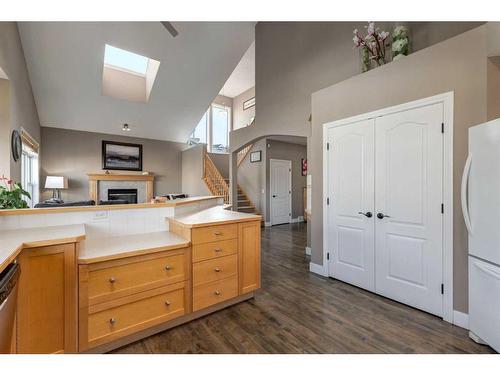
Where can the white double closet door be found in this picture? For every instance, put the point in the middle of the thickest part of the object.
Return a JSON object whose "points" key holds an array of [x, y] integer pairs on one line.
{"points": [[385, 224]]}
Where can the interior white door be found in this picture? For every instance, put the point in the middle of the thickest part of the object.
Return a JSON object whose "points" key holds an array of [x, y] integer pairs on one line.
{"points": [[281, 191], [408, 198], [350, 211]]}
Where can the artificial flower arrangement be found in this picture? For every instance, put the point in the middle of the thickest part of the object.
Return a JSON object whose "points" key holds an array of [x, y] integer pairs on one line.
{"points": [[373, 45], [11, 194]]}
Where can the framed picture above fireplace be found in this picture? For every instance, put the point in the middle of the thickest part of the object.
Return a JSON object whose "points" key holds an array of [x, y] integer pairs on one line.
{"points": [[121, 156]]}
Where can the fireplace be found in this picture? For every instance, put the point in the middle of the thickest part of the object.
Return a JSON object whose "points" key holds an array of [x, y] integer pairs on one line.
{"points": [[128, 195]]}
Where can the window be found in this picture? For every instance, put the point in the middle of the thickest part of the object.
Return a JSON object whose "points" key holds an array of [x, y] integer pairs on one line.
{"points": [[220, 129], [213, 129], [127, 75], [29, 173], [119, 58], [199, 134]]}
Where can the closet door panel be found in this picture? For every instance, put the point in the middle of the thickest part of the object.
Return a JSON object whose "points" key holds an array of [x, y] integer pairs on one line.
{"points": [[408, 193], [350, 186]]}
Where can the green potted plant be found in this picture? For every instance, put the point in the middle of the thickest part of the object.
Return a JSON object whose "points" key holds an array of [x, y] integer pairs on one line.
{"points": [[11, 194]]}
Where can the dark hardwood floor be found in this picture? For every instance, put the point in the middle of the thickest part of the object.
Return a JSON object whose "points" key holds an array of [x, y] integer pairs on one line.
{"points": [[299, 312]]}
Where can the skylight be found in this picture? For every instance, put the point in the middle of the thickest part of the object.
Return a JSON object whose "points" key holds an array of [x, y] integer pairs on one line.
{"points": [[122, 59]]}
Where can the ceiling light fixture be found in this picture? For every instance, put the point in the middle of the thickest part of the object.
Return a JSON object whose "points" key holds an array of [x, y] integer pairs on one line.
{"points": [[125, 128]]}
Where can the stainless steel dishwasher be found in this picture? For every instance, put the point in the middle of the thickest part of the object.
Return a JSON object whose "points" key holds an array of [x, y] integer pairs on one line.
{"points": [[8, 300]]}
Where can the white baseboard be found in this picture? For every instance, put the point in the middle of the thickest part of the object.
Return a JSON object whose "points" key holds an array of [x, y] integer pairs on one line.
{"points": [[308, 250], [298, 219], [318, 269], [460, 319], [267, 224]]}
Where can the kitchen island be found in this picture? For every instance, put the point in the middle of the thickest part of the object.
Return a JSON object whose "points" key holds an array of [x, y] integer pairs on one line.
{"points": [[96, 291]]}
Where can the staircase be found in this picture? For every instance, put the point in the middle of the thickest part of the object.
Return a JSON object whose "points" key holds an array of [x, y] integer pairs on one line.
{"points": [[219, 186]]}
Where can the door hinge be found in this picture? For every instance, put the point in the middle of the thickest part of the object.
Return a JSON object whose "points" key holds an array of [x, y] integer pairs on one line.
{"points": [[327, 256], [442, 288], [327, 201], [442, 208], [327, 145], [442, 127]]}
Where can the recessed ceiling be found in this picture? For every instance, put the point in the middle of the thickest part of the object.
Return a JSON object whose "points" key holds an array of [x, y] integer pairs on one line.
{"points": [[243, 76], [65, 64]]}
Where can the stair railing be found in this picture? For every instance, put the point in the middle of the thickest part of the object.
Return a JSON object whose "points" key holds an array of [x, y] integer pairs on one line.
{"points": [[242, 154], [214, 180]]}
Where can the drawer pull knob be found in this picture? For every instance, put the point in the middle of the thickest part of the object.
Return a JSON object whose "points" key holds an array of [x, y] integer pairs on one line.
{"points": [[217, 293], [168, 268], [112, 280], [168, 303], [218, 250], [112, 321], [217, 270], [217, 233]]}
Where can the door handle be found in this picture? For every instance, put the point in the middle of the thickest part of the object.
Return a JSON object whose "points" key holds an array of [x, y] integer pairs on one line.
{"points": [[380, 215], [274, 196], [463, 194], [367, 214]]}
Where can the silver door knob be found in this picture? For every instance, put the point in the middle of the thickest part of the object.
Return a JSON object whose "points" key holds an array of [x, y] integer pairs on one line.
{"points": [[218, 250], [217, 269], [217, 233], [168, 303], [112, 280], [168, 267], [112, 321], [217, 293]]}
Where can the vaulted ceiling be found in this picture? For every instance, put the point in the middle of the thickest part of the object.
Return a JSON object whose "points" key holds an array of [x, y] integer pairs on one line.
{"points": [[65, 64]]}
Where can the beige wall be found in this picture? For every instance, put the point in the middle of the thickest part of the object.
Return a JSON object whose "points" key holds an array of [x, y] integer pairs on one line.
{"points": [[444, 67], [192, 171], [23, 111], [242, 118], [73, 154], [295, 59]]}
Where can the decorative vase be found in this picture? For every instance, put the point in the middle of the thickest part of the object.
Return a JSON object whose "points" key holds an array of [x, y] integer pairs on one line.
{"points": [[365, 60], [400, 42]]}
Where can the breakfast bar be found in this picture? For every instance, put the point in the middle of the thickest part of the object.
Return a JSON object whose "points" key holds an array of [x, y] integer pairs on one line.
{"points": [[101, 283]]}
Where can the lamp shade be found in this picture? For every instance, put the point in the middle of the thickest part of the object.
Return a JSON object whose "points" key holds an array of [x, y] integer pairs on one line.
{"points": [[56, 182]]}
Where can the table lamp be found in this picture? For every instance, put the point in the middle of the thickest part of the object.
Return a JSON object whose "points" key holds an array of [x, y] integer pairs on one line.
{"points": [[56, 183]]}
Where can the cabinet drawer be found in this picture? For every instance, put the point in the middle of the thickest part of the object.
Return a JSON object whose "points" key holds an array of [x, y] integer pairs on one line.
{"points": [[215, 269], [213, 250], [116, 279], [212, 293], [214, 233], [135, 314]]}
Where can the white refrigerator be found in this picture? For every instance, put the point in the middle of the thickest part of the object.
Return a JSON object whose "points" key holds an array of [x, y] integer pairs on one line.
{"points": [[480, 195]]}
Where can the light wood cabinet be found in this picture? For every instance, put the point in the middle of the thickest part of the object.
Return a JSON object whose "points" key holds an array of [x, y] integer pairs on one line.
{"points": [[249, 256], [209, 294], [127, 295], [115, 319], [46, 319]]}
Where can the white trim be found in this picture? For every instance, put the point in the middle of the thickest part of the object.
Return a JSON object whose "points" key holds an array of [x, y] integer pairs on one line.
{"points": [[461, 319], [318, 269], [447, 100], [308, 250], [267, 224], [290, 220], [298, 219]]}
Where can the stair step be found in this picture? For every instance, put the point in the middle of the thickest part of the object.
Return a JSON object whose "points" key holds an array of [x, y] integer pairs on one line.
{"points": [[246, 208]]}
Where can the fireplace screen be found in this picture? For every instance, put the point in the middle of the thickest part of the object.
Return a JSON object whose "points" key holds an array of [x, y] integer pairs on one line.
{"points": [[127, 195]]}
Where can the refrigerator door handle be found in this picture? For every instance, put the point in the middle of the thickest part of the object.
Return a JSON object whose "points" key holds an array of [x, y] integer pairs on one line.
{"points": [[465, 203]]}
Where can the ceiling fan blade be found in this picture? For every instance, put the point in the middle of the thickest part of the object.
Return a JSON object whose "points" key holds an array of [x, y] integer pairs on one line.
{"points": [[170, 28]]}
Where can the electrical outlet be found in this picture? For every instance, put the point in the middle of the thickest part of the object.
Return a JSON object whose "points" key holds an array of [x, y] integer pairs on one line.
{"points": [[100, 215]]}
